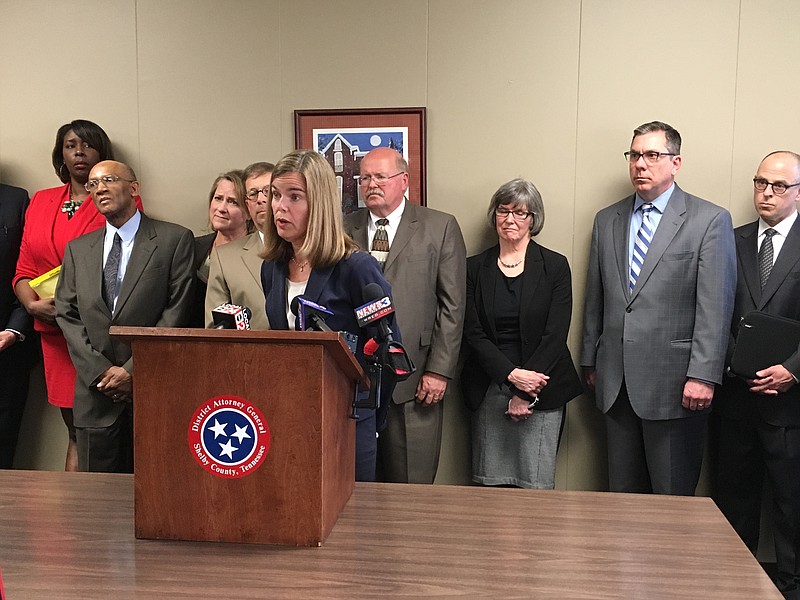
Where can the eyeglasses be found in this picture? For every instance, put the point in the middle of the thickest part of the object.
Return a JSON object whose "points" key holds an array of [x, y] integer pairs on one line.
{"points": [[377, 179], [252, 195], [651, 157], [518, 215], [778, 187], [92, 184]]}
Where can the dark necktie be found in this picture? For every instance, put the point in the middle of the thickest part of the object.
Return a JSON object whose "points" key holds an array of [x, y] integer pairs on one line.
{"points": [[640, 245], [111, 272], [380, 242], [765, 256]]}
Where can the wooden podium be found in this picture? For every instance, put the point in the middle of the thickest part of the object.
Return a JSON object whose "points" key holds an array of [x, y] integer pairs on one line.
{"points": [[295, 386]]}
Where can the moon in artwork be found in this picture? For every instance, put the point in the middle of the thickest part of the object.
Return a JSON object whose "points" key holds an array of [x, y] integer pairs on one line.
{"points": [[375, 140]]}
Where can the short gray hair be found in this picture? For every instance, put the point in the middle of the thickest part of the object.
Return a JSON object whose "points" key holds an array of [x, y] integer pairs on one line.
{"points": [[670, 133], [519, 192]]}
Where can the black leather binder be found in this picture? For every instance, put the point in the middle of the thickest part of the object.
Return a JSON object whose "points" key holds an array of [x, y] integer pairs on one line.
{"points": [[763, 340]]}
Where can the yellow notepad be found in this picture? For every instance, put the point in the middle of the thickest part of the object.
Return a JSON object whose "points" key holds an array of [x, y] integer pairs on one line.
{"points": [[45, 285]]}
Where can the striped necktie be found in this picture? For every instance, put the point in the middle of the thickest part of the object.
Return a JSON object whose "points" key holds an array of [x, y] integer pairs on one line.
{"points": [[643, 238], [380, 242]]}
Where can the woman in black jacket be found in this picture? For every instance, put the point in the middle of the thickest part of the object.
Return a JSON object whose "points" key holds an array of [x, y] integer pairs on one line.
{"points": [[518, 374]]}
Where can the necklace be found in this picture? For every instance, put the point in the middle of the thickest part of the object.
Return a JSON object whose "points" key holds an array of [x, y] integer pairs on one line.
{"points": [[71, 207], [300, 265], [511, 266]]}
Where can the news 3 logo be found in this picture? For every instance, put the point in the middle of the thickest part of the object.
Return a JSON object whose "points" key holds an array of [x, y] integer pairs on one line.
{"points": [[229, 437], [372, 309]]}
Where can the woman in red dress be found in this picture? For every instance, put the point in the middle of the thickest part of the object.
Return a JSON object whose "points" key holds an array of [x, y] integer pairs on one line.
{"points": [[56, 216]]}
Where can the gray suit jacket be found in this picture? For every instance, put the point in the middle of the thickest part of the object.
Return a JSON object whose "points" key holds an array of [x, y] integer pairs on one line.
{"points": [[156, 292], [675, 323], [235, 277], [427, 269]]}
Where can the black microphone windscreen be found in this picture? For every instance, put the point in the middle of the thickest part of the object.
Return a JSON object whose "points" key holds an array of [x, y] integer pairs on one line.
{"points": [[294, 305], [231, 316], [372, 291]]}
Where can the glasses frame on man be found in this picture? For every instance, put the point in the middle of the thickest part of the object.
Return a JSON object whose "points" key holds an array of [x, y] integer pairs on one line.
{"points": [[650, 157], [92, 184], [779, 188], [377, 179], [252, 195]]}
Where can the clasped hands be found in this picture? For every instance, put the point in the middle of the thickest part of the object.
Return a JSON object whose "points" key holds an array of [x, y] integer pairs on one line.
{"points": [[117, 384], [526, 381]]}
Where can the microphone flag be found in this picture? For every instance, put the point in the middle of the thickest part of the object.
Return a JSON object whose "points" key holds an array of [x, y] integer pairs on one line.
{"points": [[231, 316]]}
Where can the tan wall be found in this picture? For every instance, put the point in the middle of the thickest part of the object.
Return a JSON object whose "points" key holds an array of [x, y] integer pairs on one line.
{"points": [[545, 90]]}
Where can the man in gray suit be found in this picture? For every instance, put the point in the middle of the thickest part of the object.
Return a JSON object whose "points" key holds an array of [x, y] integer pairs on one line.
{"points": [[135, 271], [659, 298], [426, 265]]}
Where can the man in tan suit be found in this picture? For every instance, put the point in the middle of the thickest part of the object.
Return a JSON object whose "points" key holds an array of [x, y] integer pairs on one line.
{"points": [[426, 265], [235, 273]]}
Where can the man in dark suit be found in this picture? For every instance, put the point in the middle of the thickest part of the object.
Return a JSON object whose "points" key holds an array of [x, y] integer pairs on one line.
{"points": [[17, 340], [757, 422], [426, 265], [136, 271], [659, 296]]}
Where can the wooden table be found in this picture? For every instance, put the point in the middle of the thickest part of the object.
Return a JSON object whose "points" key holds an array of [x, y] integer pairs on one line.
{"points": [[70, 536]]}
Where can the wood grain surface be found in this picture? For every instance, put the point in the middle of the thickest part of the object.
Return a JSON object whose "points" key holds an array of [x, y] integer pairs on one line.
{"points": [[70, 536]]}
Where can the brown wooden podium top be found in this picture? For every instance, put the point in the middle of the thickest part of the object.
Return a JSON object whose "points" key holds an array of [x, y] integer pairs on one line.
{"points": [[333, 342]]}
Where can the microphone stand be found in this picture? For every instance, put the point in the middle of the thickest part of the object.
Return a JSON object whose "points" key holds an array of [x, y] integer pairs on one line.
{"points": [[375, 372]]}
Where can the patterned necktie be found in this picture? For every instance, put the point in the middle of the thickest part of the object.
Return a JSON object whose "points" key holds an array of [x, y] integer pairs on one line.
{"points": [[765, 256], [380, 242], [111, 272], [640, 245]]}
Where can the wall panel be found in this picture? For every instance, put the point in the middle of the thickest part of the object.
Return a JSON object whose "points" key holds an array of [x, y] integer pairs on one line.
{"points": [[351, 54], [209, 98], [64, 61], [767, 89]]}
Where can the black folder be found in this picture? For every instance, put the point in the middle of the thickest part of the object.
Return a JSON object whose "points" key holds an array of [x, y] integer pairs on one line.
{"points": [[763, 340]]}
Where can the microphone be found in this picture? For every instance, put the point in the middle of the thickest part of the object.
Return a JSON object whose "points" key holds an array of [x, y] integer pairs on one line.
{"points": [[310, 315], [231, 316], [376, 309], [392, 356], [384, 353], [371, 347], [388, 357]]}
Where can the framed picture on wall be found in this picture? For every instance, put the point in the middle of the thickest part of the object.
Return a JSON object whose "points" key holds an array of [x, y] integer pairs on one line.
{"points": [[344, 136]]}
